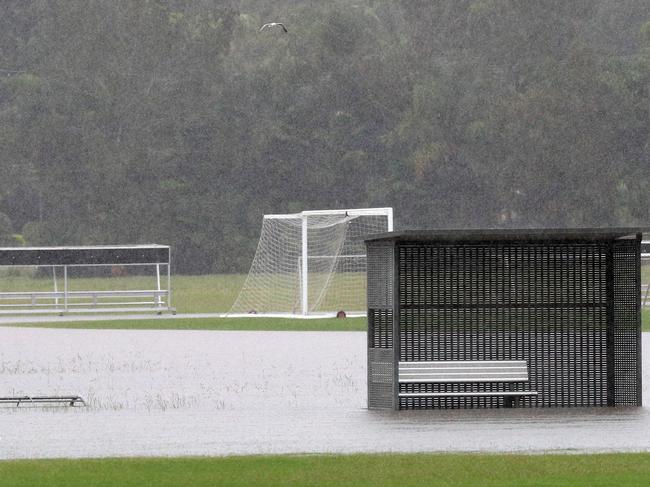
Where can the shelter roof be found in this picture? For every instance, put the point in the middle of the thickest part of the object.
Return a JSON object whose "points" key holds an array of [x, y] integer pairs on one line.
{"points": [[521, 234], [85, 255]]}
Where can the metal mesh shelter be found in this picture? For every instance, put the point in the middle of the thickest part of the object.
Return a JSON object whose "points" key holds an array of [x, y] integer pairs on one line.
{"points": [[567, 302]]}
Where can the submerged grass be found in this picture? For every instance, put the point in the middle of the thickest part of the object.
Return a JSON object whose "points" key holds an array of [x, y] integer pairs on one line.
{"points": [[625, 469]]}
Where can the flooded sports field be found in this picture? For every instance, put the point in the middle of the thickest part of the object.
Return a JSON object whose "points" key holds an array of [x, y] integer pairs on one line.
{"points": [[160, 392]]}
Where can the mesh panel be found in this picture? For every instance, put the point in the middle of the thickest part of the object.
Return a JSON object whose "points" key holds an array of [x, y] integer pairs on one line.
{"points": [[380, 328], [543, 303], [627, 324], [381, 364], [381, 368], [380, 276]]}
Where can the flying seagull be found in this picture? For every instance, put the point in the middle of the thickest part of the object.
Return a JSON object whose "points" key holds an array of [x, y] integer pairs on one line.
{"points": [[274, 24]]}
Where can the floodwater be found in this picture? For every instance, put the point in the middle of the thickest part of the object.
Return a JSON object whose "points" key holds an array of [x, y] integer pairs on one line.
{"points": [[161, 392]]}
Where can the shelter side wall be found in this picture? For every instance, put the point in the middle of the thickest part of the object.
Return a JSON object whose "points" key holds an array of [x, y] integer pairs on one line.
{"points": [[543, 302], [381, 353], [626, 311]]}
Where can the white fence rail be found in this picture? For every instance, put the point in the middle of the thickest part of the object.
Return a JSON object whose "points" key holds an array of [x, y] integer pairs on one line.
{"points": [[645, 295], [84, 301]]}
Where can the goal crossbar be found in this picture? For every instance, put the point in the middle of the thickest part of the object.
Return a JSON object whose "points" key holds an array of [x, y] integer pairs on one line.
{"points": [[349, 212]]}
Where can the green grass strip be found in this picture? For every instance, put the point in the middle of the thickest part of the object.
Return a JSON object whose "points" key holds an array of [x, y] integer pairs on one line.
{"points": [[630, 469], [243, 324]]}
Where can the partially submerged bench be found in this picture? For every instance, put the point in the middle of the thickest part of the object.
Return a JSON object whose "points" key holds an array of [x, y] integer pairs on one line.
{"points": [[466, 372], [60, 400]]}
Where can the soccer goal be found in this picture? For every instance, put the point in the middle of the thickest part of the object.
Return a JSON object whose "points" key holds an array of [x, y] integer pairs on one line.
{"points": [[311, 263]]}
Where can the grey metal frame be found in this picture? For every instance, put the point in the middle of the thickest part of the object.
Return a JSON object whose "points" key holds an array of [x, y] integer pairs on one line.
{"points": [[108, 301], [39, 400]]}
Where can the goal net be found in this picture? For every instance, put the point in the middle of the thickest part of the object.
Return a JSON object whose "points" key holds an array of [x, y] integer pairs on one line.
{"points": [[311, 263]]}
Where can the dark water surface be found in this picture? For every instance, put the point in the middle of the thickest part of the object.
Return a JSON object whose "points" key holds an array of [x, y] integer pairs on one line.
{"points": [[160, 392]]}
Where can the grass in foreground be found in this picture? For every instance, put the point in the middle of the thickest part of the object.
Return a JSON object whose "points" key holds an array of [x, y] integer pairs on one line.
{"points": [[337, 470]]}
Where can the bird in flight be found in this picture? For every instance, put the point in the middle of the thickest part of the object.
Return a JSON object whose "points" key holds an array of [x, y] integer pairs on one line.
{"points": [[274, 24]]}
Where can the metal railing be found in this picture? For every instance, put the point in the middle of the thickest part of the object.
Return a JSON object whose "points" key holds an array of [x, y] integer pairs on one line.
{"points": [[645, 295], [84, 301], [38, 400]]}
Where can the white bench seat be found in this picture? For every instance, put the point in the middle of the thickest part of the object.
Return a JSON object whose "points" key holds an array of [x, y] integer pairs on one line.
{"points": [[465, 372], [465, 394]]}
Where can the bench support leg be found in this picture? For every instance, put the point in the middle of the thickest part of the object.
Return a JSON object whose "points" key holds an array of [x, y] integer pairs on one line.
{"points": [[512, 401]]}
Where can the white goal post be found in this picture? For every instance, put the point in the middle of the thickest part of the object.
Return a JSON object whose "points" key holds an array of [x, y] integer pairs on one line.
{"points": [[311, 263]]}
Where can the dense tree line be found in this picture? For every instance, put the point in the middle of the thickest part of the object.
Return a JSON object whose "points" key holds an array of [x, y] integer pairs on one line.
{"points": [[178, 121]]}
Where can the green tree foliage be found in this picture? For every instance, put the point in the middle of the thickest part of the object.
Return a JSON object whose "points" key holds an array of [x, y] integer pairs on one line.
{"points": [[178, 121]]}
